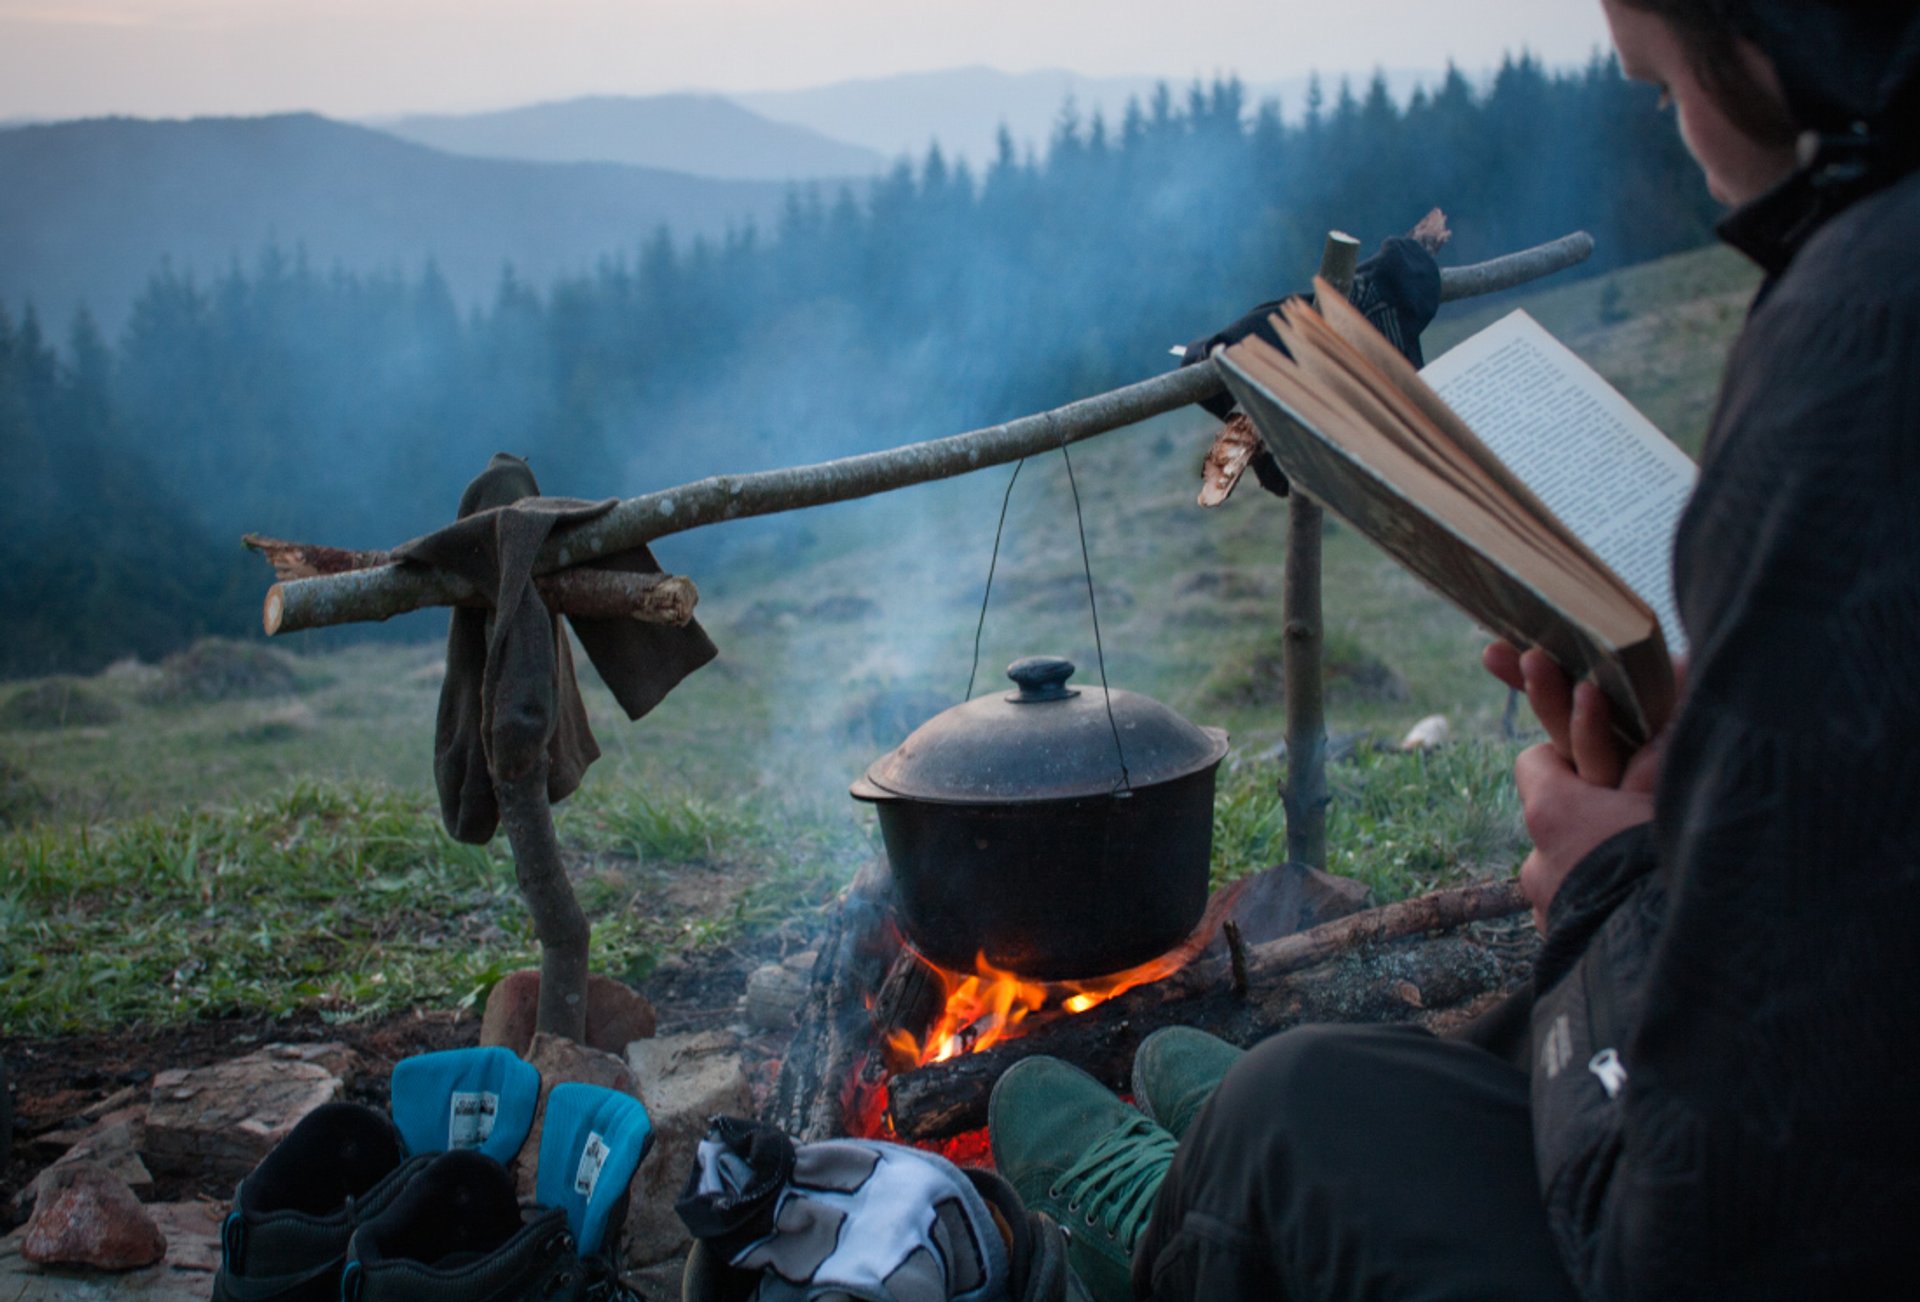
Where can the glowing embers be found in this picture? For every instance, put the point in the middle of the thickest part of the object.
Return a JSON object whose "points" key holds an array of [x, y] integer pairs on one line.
{"points": [[992, 1005]]}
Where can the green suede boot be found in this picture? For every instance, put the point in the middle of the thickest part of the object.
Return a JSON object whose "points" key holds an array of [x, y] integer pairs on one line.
{"points": [[1175, 1071], [1072, 1150]]}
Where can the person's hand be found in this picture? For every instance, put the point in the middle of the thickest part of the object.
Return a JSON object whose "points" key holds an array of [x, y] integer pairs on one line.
{"points": [[1578, 788]]}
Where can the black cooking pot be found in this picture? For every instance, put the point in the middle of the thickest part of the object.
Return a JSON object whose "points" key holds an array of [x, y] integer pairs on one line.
{"points": [[1013, 834]]}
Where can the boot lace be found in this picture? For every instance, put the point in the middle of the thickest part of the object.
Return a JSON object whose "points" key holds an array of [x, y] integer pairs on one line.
{"points": [[1115, 1181], [603, 1283]]}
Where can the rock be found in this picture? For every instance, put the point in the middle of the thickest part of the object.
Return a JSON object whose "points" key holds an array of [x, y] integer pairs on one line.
{"points": [[684, 1080], [1327, 896], [617, 1014], [112, 1145], [192, 1231], [223, 1119], [1430, 733], [193, 1236], [560, 1060], [67, 1136], [338, 1060], [774, 993], [512, 1011], [86, 1216]]}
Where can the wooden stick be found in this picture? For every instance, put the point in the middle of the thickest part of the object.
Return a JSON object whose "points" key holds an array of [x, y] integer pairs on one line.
{"points": [[590, 594], [1305, 796], [388, 590], [1512, 270], [562, 928], [1438, 911]]}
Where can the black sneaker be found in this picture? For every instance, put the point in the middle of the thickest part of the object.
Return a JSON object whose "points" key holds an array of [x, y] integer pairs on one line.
{"points": [[286, 1238], [457, 1234]]}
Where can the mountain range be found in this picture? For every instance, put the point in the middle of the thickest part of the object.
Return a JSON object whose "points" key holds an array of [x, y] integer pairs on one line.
{"points": [[701, 135], [89, 210]]}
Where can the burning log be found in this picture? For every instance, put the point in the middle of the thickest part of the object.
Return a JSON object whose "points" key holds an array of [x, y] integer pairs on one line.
{"points": [[590, 594], [383, 591], [1348, 970], [835, 1052]]}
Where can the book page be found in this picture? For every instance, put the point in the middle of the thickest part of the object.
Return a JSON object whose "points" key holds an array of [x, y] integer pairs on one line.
{"points": [[1609, 474]]}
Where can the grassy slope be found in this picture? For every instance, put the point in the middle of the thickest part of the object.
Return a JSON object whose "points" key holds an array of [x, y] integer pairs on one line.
{"points": [[281, 853]]}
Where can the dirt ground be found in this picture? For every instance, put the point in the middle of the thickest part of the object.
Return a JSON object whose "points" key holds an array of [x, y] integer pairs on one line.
{"points": [[55, 1077]]}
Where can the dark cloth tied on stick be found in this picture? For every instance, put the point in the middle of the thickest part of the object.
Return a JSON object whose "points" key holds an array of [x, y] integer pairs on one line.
{"points": [[510, 702], [1397, 290]]}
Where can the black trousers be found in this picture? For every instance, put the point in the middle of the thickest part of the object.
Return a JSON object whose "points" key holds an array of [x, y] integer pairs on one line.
{"points": [[1353, 1162]]}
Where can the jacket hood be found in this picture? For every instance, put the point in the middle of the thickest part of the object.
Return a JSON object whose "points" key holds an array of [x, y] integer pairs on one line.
{"points": [[1851, 72], [1838, 60]]}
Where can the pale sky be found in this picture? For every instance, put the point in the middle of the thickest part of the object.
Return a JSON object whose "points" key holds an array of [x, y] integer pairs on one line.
{"points": [[347, 58]]}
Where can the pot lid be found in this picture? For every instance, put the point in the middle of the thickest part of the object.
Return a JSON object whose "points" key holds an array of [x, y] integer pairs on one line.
{"points": [[1044, 741]]}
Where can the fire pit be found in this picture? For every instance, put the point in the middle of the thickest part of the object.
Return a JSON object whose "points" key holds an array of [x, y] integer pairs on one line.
{"points": [[890, 1045]]}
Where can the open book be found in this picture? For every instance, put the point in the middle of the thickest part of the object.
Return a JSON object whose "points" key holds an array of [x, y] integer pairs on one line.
{"points": [[1508, 475]]}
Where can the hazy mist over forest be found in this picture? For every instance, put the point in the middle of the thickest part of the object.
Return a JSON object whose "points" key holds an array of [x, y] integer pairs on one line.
{"points": [[306, 393]]}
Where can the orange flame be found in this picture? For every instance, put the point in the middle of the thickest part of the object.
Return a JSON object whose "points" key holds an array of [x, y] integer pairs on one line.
{"points": [[993, 1005]]}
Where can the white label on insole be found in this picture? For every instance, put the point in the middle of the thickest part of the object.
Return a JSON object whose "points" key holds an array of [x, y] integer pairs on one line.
{"points": [[470, 1123], [592, 1158]]}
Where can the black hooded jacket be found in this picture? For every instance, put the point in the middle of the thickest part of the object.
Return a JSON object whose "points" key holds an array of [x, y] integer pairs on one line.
{"points": [[1726, 1084]]}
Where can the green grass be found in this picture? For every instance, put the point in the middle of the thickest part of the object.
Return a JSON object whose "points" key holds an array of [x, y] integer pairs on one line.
{"points": [[281, 852], [348, 901], [1403, 823]]}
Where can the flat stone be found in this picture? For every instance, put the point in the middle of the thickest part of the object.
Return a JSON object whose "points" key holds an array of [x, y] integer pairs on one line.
{"points": [[113, 1145], [617, 1014], [69, 1137], [192, 1232], [225, 1118], [86, 1216], [684, 1079], [336, 1058]]}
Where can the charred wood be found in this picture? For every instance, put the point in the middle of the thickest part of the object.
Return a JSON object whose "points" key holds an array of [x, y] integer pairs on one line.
{"points": [[836, 1052], [1356, 969], [1407, 982]]}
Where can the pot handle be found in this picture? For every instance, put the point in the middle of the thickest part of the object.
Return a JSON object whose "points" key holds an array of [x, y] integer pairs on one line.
{"points": [[864, 789]]}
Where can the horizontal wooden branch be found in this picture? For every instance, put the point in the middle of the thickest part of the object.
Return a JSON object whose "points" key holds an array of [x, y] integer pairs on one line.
{"points": [[1437, 911], [589, 594], [384, 591], [1512, 270]]}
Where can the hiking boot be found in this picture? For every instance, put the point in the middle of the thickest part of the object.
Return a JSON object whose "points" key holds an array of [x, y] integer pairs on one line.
{"points": [[456, 1234], [1036, 1245], [286, 1238], [1175, 1071], [1074, 1151]]}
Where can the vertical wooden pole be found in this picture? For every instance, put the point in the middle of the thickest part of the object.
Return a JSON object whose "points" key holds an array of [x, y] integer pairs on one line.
{"points": [[1305, 795]]}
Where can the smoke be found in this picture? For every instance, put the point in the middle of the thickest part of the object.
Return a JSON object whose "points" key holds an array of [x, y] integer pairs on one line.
{"points": [[350, 407]]}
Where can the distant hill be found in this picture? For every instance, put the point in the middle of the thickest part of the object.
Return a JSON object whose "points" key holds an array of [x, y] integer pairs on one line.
{"points": [[701, 135], [89, 210], [963, 108]]}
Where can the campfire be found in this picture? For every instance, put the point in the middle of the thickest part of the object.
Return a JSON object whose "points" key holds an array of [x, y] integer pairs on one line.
{"points": [[990, 1005], [890, 1045]]}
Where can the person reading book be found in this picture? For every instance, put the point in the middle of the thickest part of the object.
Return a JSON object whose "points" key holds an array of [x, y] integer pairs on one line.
{"points": [[1718, 1092]]}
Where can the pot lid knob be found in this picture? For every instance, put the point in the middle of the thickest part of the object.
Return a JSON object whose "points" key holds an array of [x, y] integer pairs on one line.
{"points": [[1041, 678]]}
